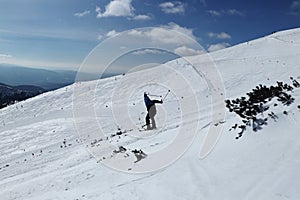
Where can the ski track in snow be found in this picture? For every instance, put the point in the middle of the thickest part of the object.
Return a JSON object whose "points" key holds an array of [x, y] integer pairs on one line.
{"points": [[42, 156]]}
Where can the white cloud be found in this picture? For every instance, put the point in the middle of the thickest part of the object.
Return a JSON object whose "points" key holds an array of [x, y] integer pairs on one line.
{"points": [[137, 33], [219, 46], [176, 27], [111, 33], [100, 37], [232, 12], [295, 8], [4, 56], [165, 34], [116, 8], [148, 51], [98, 10], [211, 34], [186, 51], [141, 17], [81, 14], [172, 7], [221, 35], [214, 13], [120, 8]]}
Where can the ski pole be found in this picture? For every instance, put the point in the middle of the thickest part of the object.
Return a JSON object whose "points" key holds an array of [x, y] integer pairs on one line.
{"points": [[166, 95]]}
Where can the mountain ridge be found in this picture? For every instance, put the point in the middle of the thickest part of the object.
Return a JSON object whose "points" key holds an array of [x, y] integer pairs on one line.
{"points": [[11, 94]]}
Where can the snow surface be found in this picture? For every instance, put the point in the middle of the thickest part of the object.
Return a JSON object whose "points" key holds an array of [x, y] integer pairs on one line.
{"points": [[42, 156]]}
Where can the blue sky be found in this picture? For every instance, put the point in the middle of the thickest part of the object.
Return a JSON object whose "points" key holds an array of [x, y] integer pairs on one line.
{"points": [[61, 33]]}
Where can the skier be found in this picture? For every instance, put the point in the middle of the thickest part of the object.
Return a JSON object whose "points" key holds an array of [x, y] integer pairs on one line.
{"points": [[151, 111]]}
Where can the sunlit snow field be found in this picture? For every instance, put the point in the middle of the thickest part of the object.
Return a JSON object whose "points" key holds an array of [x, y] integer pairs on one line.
{"points": [[42, 156]]}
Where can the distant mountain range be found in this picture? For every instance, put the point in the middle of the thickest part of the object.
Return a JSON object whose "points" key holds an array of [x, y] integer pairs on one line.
{"points": [[10, 94], [47, 79], [18, 83]]}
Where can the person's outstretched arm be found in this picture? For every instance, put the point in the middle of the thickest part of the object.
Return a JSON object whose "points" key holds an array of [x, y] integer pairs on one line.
{"points": [[158, 101]]}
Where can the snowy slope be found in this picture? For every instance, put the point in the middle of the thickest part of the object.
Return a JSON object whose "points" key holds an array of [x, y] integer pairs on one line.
{"points": [[42, 156]]}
